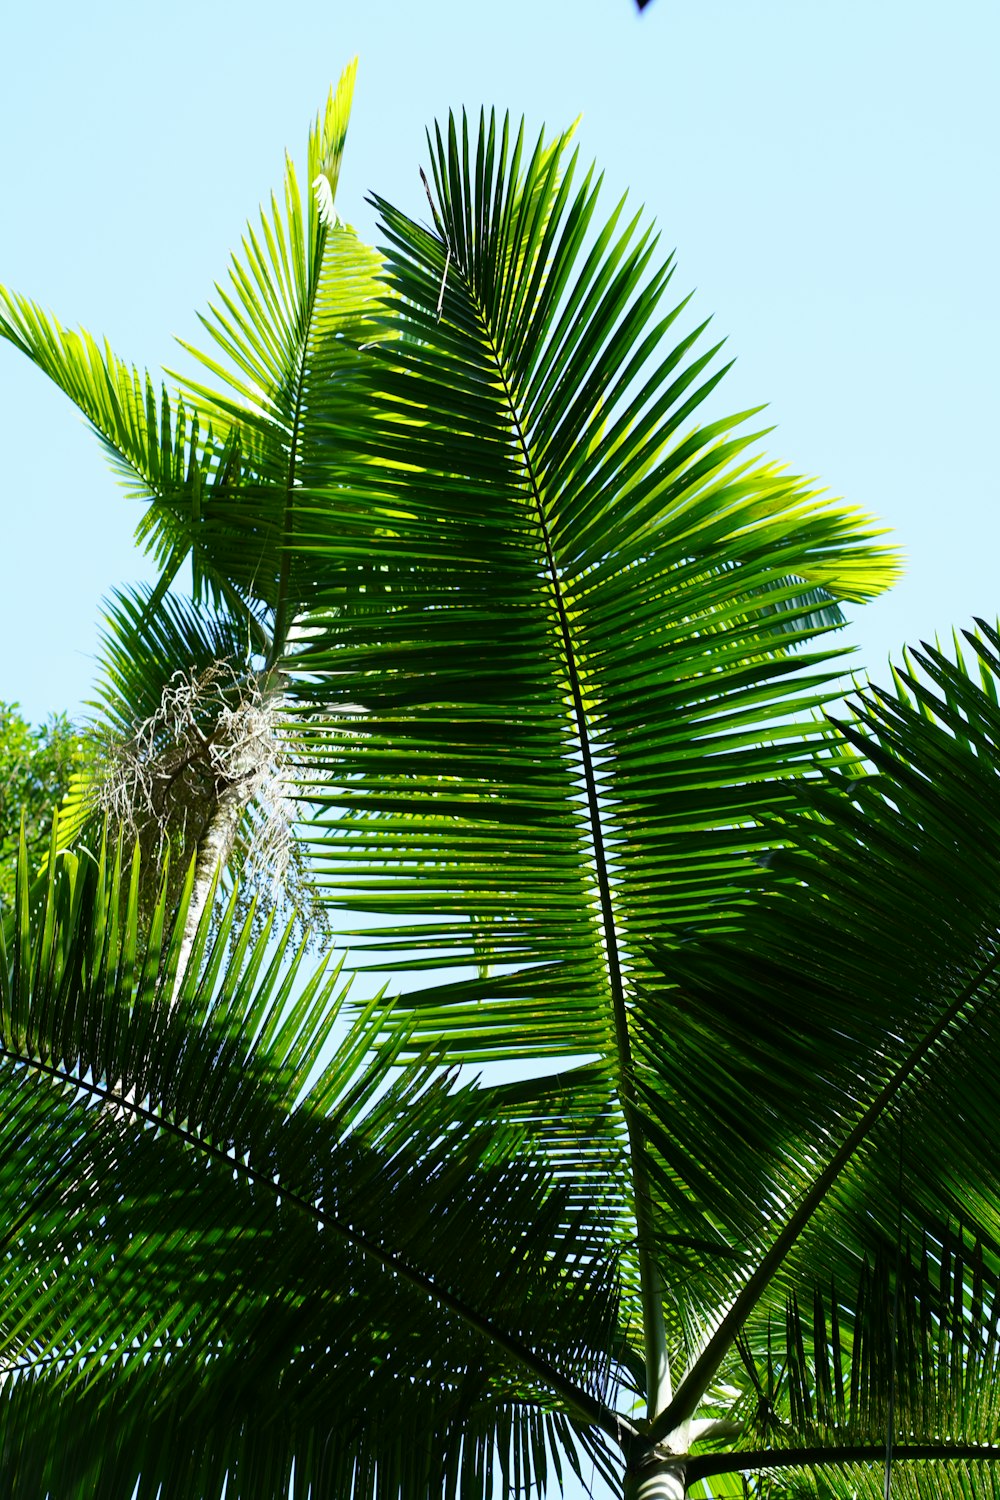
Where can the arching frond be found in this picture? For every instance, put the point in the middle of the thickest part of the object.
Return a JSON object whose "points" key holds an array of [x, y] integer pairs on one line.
{"points": [[837, 1052], [229, 1212], [551, 677]]}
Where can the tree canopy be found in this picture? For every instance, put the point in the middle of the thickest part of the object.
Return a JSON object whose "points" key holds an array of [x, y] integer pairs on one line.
{"points": [[540, 652]]}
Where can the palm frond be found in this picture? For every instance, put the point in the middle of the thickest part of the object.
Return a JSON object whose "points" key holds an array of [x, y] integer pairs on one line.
{"points": [[875, 952], [909, 1355], [226, 470], [164, 453], [530, 621], [214, 1218], [551, 684], [853, 1475], [287, 373]]}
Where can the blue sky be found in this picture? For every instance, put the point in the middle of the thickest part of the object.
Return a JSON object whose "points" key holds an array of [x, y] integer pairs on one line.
{"points": [[826, 173]]}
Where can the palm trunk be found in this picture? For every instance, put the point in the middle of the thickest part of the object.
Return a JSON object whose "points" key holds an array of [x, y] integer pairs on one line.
{"points": [[214, 849], [657, 1480], [238, 781]]}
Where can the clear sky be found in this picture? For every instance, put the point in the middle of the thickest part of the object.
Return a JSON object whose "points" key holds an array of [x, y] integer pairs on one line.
{"points": [[826, 171]]}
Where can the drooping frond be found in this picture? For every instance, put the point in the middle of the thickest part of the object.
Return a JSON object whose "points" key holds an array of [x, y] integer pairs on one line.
{"points": [[165, 455], [229, 1212], [909, 1355]]}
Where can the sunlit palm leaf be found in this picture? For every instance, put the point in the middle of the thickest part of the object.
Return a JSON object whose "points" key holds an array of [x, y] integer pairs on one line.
{"points": [[226, 468], [551, 668], [157, 444], [287, 330], [536, 630], [534, 635]]}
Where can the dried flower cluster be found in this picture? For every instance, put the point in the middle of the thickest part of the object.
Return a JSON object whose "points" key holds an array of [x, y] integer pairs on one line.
{"points": [[213, 744]]}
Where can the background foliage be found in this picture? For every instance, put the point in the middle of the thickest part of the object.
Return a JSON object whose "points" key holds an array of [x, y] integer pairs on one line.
{"points": [[36, 768]]}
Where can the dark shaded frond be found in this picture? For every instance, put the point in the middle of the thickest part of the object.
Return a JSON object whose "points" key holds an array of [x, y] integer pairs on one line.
{"points": [[225, 1208]]}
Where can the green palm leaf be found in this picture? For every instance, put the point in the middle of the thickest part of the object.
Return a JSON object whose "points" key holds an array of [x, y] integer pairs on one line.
{"points": [[157, 445], [287, 330], [508, 663], [545, 638], [835, 1060], [216, 1223], [550, 670], [222, 467]]}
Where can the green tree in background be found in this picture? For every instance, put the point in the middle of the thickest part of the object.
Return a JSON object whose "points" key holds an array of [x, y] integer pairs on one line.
{"points": [[36, 768], [540, 649]]}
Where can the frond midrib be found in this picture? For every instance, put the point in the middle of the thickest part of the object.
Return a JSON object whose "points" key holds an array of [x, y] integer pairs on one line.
{"points": [[704, 1466], [658, 1385], [281, 621]]}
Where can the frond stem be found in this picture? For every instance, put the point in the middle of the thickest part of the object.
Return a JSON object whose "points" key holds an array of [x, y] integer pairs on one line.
{"points": [[748, 1459]]}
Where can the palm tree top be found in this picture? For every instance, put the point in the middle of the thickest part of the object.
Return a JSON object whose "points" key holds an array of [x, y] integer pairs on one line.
{"points": [[543, 643]]}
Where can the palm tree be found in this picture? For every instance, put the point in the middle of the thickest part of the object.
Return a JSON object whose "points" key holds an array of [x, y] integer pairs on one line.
{"points": [[290, 324], [543, 657]]}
